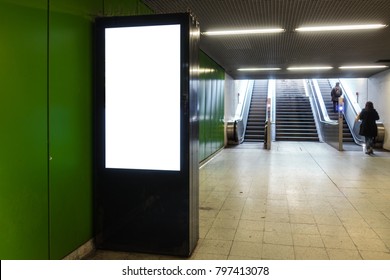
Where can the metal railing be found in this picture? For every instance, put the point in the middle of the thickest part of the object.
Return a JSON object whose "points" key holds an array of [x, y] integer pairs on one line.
{"points": [[328, 130], [331, 131], [236, 127]]}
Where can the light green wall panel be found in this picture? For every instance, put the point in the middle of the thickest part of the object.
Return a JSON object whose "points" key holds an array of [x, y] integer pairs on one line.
{"points": [[23, 122]]}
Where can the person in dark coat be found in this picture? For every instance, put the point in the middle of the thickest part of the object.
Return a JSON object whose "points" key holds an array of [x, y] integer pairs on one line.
{"points": [[335, 94], [368, 127]]}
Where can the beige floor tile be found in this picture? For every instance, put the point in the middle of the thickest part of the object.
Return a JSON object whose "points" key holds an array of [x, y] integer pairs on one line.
{"points": [[277, 217], [362, 232], [218, 247], [382, 232], [229, 214], [277, 252], [339, 203], [113, 255], [343, 254], [236, 204], [310, 253], [201, 256], [304, 229], [331, 230], [231, 257], [251, 225], [387, 242], [277, 202], [278, 238], [208, 213], [221, 234], [302, 219], [354, 223], [277, 210], [379, 221], [370, 244], [206, 222], [306, 240], [249, 235], [277, 227], [338, 242], [254, 204], [254, 216], [372, 255], [225, 223], [323, 219], [246, 249]]}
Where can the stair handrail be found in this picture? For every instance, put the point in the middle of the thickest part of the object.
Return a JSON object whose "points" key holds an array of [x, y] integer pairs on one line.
{"points": [[351, 111], [328, 129], [319, 103], [241, 116]]}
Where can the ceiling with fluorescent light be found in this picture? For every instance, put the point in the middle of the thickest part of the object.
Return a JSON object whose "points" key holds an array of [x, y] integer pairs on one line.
{"points": [[290, 48]]}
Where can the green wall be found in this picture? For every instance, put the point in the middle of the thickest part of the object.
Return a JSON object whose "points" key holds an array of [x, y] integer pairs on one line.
{"points": [[23, 141], [70, 123], [211, 107], [46, 54]]}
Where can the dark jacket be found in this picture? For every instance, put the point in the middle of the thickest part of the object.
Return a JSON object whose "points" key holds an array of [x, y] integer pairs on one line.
{"points": [[368, 126], [336, 93]]}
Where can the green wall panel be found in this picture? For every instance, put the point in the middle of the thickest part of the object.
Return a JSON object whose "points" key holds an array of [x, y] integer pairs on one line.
{"points": [[70, 123], [23, 121], [202, 119], [70, 103], [211, 109], [47, 85]]}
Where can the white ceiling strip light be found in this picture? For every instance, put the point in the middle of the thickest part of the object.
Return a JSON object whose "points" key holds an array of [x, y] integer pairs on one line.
{"points": [[363, 67], [242, 32], [310, 68], [258, 69], [340, 27]]}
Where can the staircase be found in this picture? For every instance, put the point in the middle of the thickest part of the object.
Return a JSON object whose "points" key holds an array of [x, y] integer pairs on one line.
{"points": [[254, 131], [326, 88], [294, 117]]}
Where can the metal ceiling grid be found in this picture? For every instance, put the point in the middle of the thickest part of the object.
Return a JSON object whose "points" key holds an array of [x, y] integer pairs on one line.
{"points": [[289, 48]]}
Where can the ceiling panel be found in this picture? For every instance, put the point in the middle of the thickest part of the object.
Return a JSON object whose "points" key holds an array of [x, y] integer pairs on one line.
{"points": [[289, 48]]}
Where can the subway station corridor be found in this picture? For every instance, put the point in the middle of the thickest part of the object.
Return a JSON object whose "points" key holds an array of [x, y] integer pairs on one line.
{"points": [[299, 200]]}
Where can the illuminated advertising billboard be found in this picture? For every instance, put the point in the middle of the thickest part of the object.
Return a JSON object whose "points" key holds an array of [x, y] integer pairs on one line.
{"points": [[142, 97]]}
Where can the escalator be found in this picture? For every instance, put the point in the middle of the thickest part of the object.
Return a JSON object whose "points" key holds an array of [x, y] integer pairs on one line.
{"points": [[325, 88], [254, 131], [294, 116]]}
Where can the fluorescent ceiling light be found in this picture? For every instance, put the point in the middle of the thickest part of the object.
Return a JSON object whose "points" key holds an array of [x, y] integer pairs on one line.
{"points": [[340, 27], [310, 68], [203, 70], [258, 69], [363, 67], [242, 32]]}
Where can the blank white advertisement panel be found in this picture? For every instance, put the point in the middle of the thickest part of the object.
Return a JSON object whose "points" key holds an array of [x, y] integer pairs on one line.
{"points": [[142, 80]]}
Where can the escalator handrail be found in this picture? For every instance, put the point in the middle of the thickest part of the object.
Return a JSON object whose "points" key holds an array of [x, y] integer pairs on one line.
{"points": [[320, 105]]}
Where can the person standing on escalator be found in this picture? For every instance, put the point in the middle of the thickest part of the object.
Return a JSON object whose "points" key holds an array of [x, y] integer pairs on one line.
{"points": [[368, 127], [335, 94]]}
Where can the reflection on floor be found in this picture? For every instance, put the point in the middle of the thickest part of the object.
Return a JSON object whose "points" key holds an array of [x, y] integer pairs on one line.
{"points": [[300, 200]]}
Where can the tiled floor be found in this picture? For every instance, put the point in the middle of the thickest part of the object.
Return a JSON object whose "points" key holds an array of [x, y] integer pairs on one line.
{"points": [[300, 200]]}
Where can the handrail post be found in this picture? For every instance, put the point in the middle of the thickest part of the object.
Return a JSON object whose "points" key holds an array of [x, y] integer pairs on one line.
{"points": [[341, 122], [267, 136]]}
